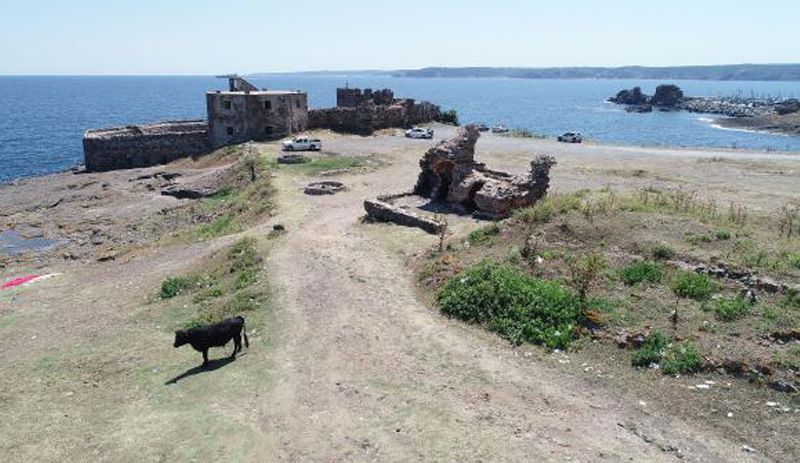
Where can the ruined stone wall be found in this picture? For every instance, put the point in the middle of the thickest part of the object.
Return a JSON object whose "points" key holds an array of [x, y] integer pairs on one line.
{"points": [[144, 145], [367, 118], [352, 97]]}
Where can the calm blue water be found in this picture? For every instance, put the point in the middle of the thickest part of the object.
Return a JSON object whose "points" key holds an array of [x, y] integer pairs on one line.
{"points": [[42, 119]]}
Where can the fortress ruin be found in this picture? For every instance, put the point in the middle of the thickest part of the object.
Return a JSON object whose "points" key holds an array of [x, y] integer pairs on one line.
{"points": [[245, 113], [450, 177]]}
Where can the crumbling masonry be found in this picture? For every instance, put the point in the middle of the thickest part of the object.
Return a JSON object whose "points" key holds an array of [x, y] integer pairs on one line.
{"points": [[450, 175]]}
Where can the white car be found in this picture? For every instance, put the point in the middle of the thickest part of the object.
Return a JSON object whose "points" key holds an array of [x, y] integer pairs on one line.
{"points": [[570, 137], [302, 144], [499, 129], [419, 133]]}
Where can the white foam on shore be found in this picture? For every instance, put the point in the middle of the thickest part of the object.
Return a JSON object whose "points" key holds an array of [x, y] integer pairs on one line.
{"points": [[712, 122]]}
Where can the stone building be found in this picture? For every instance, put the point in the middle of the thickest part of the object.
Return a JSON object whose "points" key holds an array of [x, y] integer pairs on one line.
{"points": [[243, 115]]}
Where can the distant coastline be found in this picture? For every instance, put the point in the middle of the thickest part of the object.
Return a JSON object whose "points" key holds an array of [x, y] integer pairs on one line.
{"points": [[726, 72]]}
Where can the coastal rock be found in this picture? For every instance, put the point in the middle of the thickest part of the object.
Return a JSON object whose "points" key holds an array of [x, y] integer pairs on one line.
{"points": [[645, 108], [633, 96], [667, 96]]}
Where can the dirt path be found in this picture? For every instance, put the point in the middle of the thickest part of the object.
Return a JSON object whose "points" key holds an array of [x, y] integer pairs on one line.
{"points": [[367, 373]]}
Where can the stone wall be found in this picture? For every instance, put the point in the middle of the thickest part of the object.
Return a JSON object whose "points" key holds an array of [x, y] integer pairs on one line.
{"points": [[367, 118], [144, 145], [352, 97]]}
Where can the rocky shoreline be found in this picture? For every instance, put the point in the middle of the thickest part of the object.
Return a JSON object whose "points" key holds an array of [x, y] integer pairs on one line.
{"points": [[758, 114]]}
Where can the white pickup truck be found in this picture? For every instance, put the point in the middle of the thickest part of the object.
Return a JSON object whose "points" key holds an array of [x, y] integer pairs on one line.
{"points": [[302, 144]]}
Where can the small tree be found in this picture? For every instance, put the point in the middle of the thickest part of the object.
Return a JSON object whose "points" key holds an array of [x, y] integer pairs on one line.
{"points": [[583, 272], [442, 233], [449, 117]]}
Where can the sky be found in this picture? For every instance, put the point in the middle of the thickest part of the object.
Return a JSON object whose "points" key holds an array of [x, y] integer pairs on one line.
{"points": [[202, 37]]}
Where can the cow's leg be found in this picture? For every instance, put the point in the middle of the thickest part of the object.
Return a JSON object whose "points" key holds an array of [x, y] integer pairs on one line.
{"points": [[237, 344], [205, 357]]}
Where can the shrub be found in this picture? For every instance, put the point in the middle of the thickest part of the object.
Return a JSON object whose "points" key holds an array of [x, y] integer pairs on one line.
{"points": [[794, 261], [693, 285], [681, 357], [449, 117], [517, 306], [730, 309], [652, 350], [482, 234], [723, 234], [173, 286], [792, 299], [583, 272], [640, 272], [660, 349], [663, 252]]}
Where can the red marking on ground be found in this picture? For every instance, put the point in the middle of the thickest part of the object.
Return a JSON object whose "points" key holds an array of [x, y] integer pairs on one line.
{"points": [[19, 281]]}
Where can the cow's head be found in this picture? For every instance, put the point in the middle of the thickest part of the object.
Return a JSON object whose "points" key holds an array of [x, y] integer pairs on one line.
{"points": [[180, 338]]}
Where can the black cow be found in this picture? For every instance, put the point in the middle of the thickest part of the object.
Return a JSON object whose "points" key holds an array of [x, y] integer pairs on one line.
{"points": [[216, 335]]}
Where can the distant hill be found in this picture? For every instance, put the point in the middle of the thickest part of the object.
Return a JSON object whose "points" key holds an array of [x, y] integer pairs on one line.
{"points": [[782, 72]]}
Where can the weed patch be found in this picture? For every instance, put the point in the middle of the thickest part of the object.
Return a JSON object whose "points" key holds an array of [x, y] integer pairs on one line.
{"points": [[225, 287], [729, 309], [484, 233], [692, 285], [660, 349], [642, 272], [173, 286], [517, 306]]}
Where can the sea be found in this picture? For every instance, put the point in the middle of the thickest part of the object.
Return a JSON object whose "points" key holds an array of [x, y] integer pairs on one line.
{"points": [[42, 119]]}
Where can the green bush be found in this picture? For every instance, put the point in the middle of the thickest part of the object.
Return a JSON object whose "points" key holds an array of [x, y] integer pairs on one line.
{"points": [[652, 350], [792, 299], [173, 286], [693, 285], [641, 272], [723, 234], [681, 357], [449, 117], [672, 357], [482, 234], [513, 304], [730, 309], [663, 252]]}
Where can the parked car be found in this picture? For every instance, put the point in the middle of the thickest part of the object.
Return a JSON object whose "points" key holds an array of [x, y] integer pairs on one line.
{"points": [[570, 137], [419, 133], [302, 144], [499, 129], [483, 128]]}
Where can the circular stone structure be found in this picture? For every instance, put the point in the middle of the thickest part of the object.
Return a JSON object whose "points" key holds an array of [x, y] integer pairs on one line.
{"points": [[324, 188], [292, 159]]}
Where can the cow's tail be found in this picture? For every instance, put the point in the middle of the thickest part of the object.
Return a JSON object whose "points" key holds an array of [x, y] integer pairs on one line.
{"points": [[244, 333]]}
